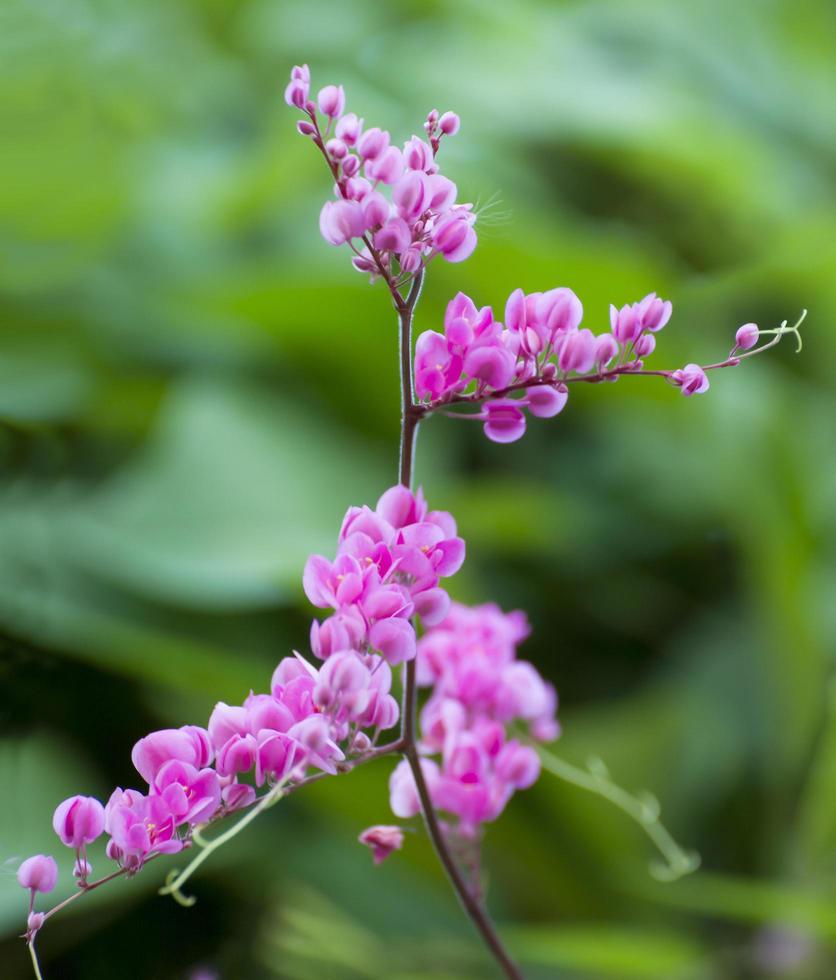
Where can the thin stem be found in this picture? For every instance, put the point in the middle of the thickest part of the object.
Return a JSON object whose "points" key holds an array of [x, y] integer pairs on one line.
{"points": [[176, 880], [411, 415], [89, 888], [35, 965], [410, 412]]}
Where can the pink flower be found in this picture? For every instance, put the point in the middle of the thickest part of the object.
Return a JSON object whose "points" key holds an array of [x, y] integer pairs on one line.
{"points": [[193, 796], [79, 820], [403, 793], [386, 167], [382, 840], [331, 100], [504, 420], [691, 379], [546, 401], [189, 744], [340, 221], [277, 756], [372, 143], [454, 236], [38, 873], [517, 765], [577, 351], [393, 639], [141, 825]]}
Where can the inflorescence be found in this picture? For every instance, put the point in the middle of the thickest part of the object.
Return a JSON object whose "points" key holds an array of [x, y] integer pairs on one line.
{"points": [[487, 712]]}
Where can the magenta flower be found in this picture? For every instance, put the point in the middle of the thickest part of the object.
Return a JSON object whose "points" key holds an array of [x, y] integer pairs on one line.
{"points": [[382, 839], [79, 820], [278, 755], [141, 825], [189, 744], [193, 796]]}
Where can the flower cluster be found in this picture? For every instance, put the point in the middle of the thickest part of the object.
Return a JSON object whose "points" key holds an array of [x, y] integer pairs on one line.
{"points": [[394, 232], [479, 690], [387, 570], [539, 347]]}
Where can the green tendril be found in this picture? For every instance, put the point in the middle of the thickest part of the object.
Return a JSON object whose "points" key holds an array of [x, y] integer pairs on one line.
{"points": [[794, 329], [176, 879], [643, 807]]}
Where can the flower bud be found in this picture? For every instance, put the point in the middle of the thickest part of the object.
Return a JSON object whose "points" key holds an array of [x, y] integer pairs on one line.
{"points": [[82, 869], [394, 236], [691, 379], [350, 165], [336, 149], [331, 100], [606, 348], [305, 128], [449, 124], [33, 923], [411, 260], [296, 93], [372, 143], [645, 345], [348, 129], [38, 873], [747, 336], [78, 820]]}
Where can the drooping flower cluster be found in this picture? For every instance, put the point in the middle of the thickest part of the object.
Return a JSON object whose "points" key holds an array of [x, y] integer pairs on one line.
{"points": [[416, 219], [387, 570], [471, 762], [311, 719]]}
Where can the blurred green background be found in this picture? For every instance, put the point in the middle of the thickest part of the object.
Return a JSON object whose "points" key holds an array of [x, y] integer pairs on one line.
{"points": [[194, 386]]}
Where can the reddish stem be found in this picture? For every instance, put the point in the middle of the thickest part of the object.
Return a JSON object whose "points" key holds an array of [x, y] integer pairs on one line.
{"points": [[411, 415]]}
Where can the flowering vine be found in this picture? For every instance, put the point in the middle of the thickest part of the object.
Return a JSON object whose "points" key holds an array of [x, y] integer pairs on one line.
{"points": [[479, 736]]}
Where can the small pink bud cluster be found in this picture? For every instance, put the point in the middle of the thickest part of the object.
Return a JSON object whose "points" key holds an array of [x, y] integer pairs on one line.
{"points": [[540, 347], [479, 689], [387, 569], [418, 219]]}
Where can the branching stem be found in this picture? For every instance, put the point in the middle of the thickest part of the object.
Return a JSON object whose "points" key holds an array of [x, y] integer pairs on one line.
{"points": [[411, 415]]}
